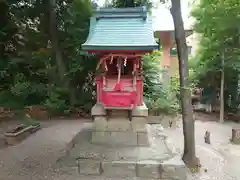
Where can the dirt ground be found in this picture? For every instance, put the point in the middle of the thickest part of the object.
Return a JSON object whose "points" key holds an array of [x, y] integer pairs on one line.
{"points": [[9, 124], [35, 157]]}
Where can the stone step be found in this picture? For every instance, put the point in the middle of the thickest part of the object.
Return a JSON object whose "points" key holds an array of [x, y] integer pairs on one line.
{"points": [[138, 124], [148, 169], [82, 177], [118, 113], [118, 138]]}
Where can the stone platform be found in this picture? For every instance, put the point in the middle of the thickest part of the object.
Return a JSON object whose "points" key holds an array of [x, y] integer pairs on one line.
{"points": [[155, 161], [120, 127]]}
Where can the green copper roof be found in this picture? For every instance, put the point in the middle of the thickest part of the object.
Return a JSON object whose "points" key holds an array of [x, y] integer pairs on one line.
{"points": [[121, 29]]}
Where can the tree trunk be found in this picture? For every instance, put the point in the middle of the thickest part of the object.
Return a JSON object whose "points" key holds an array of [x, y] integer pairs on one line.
{"points": [[55, 43], [221, 119], [61, 67], [189, 156]]}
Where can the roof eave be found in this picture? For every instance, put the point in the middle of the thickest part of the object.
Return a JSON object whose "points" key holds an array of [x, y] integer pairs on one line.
{"points": [[119, 48]]}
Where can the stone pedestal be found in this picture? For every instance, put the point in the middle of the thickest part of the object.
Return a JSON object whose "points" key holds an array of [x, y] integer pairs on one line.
{"points": [[120, 127], [121, 144], [155, 161]]}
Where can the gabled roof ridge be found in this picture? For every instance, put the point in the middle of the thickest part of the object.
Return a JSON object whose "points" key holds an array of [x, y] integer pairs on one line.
{"points": [[121, 12], [139, 9]]}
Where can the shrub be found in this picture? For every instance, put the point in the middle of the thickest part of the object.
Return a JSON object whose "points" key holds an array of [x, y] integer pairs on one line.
{"points": [[159, 97]]}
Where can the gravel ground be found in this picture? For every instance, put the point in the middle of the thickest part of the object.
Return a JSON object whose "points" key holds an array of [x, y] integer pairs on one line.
{"points": [[220, 160], [35, 158]]}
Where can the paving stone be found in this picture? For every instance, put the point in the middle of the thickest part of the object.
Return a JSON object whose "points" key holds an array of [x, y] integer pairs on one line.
{"points": [[142, 139], [124, 138], [148, 169], [100, 123], [119, 168], [89, 167], [139, 124], [118, 125]]}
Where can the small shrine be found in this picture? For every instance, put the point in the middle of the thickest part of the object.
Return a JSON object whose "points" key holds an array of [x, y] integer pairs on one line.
{"points": [[120, 143], [121, 37]]}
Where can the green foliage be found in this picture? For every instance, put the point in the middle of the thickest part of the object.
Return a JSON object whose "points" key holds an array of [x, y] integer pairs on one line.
{"points": [[159, 97], [217, 22], [57, 100], [29, 63], [28, 66], [128, 3]]}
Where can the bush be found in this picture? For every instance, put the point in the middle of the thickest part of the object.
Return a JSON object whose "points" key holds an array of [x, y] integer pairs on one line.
{"points": [[57, 101], [158, 97]]}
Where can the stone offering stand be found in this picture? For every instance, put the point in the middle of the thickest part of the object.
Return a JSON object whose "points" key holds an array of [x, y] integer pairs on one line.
{"points": [[20, 133], [120, 147]]}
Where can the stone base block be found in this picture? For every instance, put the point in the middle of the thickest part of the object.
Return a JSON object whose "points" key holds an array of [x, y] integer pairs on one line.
{"points": [[119, 113], [155, 161], [98, 110], [89, 167], [140, 111], [119, 169], [173, 169], [118, 125], [139, 124], [100, 123], [120, 138], [149, 169], [115, 138]]}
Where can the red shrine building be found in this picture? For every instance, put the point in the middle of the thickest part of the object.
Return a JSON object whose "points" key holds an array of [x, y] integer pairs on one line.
{"points": [[121, 37]]}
